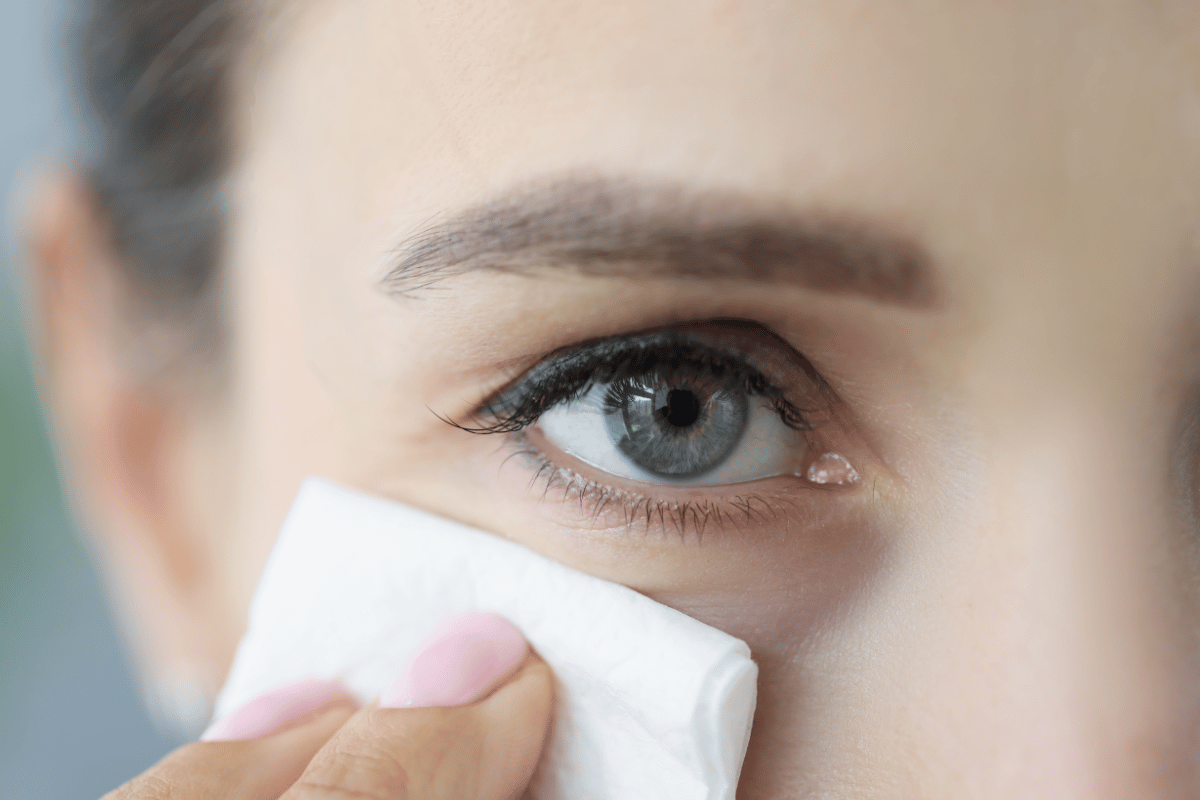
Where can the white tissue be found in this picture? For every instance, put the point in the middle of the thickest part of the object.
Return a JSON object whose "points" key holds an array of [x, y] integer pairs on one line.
{"points": [[650, 703]]}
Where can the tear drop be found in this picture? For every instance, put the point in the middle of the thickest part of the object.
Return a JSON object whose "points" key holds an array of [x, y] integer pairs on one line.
{"points": [[832, 469]]}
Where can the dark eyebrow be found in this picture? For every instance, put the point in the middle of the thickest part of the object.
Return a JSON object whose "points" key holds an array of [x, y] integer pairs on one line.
{"points": [[627, 229]]}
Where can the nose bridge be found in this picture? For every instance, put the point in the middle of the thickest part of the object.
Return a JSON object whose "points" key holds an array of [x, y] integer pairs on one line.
{"points": [[1078, 597]]}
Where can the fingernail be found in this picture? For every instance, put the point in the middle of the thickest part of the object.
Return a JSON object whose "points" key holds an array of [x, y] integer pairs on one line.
{"points": [[465, 657], [269, 712]]}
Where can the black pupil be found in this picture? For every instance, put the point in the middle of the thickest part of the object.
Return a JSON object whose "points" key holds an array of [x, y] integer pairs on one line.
{"points": [[675, 431], [682, 408]]}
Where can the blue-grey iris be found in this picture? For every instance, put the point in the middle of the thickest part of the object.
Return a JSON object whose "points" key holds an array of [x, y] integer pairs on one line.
{"points": [[680, 429]]}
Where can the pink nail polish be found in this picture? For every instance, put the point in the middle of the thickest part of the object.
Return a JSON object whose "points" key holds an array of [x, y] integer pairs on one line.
{"points": [[466, 656], [269, 712]]}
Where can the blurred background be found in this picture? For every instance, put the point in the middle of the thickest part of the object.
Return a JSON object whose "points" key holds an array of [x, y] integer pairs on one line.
{"points": [[71, 722]]}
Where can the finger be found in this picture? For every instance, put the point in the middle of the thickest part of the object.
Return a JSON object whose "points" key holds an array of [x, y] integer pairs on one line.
{"points": [[484, 750], [248, 769]]}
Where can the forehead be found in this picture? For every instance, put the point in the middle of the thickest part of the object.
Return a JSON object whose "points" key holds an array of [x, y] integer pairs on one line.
{"points": [[1039, 149]]}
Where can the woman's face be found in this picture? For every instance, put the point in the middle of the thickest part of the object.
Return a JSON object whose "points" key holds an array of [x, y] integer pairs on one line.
{"points": [[954, 243]]}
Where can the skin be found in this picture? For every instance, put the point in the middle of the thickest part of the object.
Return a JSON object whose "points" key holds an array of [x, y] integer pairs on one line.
{"points": [[1004, 606], [487, 749]]}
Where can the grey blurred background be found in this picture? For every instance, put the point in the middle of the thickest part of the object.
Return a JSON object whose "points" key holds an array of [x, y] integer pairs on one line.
{"points": [[71, 723]]}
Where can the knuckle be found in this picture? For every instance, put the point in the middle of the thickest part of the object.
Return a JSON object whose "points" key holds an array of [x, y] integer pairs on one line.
{"points": [[388, 755], [354, 768]]}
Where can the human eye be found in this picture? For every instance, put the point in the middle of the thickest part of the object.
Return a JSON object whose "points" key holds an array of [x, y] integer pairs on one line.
{"points": [[639, 419]]}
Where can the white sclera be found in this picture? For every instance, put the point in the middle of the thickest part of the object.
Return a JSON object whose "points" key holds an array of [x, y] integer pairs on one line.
{"points": [[767, 448]]}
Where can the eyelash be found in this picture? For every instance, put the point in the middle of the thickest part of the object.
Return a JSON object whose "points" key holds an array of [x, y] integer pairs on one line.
{"points": [[568, 374], [566, 377], [594, 498]]}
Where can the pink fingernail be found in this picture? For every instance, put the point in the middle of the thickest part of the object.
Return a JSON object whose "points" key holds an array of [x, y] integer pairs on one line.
{"points": [[469, 654], [269, 712]]}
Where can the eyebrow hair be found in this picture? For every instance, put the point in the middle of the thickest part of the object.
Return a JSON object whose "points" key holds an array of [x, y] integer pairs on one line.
{"points": [[636, 230]]}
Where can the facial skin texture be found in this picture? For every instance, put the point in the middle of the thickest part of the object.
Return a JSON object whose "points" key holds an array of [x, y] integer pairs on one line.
{"points": [[1003, 606]]}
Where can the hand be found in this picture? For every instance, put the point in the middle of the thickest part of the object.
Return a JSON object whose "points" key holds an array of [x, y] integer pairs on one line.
{"points": [[491, 698]]}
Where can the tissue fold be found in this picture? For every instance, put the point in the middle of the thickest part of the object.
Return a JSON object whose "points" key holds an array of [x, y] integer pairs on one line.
{"points": [[649, 703]]}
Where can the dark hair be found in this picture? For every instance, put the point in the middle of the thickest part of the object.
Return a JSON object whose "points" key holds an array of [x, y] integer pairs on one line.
{"points": [[158, 74]]}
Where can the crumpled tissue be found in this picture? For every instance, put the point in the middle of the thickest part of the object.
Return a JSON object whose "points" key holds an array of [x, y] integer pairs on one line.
{"points": [[649, 702]]}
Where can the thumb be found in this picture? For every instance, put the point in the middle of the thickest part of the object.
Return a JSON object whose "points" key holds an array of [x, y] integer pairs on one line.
{"points": [[487, 700]]}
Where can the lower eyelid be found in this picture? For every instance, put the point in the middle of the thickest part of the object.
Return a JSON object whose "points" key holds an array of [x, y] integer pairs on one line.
{"points": [[603, 505], [606, 507]]}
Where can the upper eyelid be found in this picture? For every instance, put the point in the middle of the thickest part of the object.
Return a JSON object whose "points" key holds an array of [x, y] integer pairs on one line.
{"points": [[708, 336], [621, 348], [677, 333]]}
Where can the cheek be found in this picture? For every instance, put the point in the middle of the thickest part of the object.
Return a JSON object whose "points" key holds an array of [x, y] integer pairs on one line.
{"points": [[775, 582], [772, 580]]}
